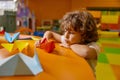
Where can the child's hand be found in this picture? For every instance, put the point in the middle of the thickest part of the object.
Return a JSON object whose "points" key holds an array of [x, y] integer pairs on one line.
{"points": [[37, 43], [64, 42], [45, 44]]}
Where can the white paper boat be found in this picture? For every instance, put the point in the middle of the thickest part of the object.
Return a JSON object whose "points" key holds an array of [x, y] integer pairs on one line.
{"points": [[20, 64]]}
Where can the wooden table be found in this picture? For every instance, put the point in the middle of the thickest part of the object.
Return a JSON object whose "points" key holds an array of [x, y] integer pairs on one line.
{"points": [[61, 64]]}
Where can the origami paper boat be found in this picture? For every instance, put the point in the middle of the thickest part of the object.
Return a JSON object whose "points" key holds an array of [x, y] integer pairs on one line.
{"points": [[11, 38], [20, 64]]}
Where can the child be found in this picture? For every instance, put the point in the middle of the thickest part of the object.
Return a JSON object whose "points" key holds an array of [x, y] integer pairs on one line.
{"points": [[80, 34]]}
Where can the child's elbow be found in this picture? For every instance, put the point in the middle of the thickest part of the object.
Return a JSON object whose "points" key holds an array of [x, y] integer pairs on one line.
{"points": [[84, 53], [91, 54], [88, 53]]}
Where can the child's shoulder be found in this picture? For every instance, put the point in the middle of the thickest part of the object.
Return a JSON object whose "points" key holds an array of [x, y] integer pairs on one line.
{"points": [[95, 46], [92, 43]]}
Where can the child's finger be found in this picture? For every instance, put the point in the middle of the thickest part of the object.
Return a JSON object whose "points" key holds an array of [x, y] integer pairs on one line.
{"points": [[43, 40], [37, 43]]}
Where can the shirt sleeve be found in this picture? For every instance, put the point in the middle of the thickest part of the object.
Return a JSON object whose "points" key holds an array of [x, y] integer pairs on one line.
{"points": [[95, 46]]}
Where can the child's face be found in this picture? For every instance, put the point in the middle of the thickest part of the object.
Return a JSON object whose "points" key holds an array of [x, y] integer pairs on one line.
{"points": [[71, 36]]}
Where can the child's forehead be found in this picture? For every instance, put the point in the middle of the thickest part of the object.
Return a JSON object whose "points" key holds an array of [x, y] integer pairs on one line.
{"points": [[69, 29], [69, 26]]}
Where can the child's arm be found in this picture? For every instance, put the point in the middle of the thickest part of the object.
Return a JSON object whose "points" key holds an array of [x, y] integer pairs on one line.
{"points": [[52, 35], [64, 42], [49, 35], [84, 51]]}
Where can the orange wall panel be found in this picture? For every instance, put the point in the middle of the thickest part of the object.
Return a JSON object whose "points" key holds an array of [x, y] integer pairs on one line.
{"points": [[49, 9], [96, 14]]}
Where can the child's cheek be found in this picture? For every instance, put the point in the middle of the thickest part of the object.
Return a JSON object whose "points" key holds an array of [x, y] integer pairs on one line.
{"points": [[64, 41]]}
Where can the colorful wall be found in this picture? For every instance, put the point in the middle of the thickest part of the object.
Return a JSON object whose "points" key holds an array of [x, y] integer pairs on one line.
{"points": [[55, 9], [77, 4]]}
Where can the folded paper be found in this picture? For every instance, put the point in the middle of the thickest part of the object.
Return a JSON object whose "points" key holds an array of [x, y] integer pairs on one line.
{"points": [[19, 63], [48, 46], [10, 46], [35, 38], [11, 38]]}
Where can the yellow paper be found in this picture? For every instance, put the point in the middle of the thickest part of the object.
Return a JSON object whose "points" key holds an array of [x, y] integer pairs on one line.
{"points": [[21, 45], [8, 46], [110, 19], [35, 38]]}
